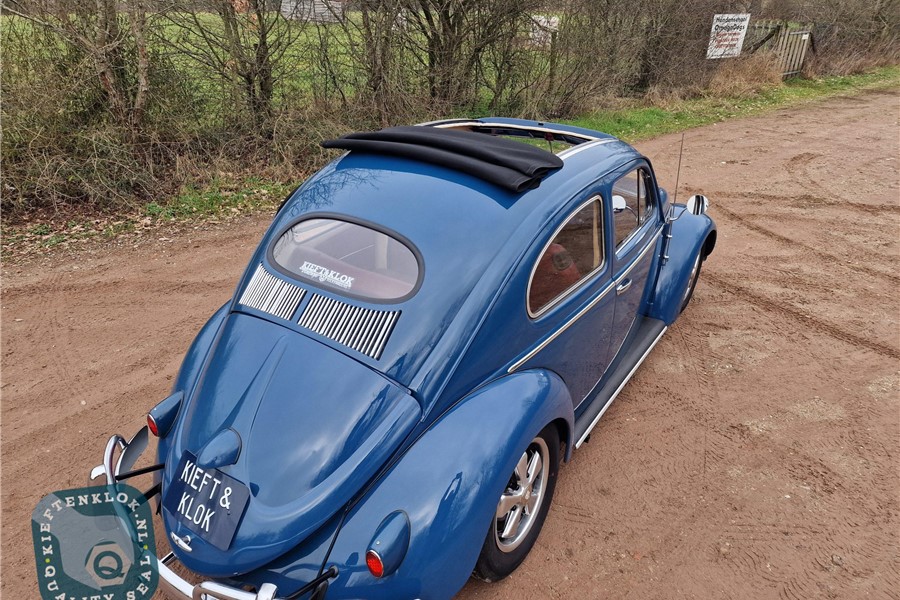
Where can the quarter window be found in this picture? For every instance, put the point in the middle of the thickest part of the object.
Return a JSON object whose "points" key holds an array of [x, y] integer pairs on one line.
{"points": [[649, 205], [574, 253], [347, 258]]}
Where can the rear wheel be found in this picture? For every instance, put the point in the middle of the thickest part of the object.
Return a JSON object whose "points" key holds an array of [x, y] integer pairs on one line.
{"points": [[522, 508]]}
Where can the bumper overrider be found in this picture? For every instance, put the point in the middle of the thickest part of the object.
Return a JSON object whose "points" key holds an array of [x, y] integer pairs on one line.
{"points": [[118, 459]]}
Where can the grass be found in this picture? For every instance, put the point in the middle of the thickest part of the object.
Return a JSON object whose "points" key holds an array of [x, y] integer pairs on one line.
{"points": [[644, 122], [220, 197]]}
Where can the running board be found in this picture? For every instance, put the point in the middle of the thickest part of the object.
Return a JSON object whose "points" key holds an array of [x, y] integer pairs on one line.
{"points": [[642, 342]]}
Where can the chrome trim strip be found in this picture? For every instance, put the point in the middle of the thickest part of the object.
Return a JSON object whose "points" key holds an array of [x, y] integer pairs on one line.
{"points": [[559, 331], [541, 128], [581, 282], [619, 389], [442, 123], [634, 233], [569, 152], [174, 586]]}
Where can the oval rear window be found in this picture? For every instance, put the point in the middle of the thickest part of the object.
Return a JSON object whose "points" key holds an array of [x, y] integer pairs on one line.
{"points": [[348, 258]]}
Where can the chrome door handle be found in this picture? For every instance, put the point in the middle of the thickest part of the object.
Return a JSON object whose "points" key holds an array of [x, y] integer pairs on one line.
{"points": [[623, 287]]}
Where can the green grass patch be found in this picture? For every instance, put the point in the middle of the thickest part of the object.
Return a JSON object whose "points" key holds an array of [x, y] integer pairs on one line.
{"points": [[220, 197], [644, 122]]}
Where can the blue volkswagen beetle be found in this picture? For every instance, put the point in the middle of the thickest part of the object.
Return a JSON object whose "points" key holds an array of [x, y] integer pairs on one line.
{"points": [[430, 325]]}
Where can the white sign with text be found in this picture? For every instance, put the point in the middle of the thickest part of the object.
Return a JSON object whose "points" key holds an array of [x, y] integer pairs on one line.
{"points": [[727, 36]]}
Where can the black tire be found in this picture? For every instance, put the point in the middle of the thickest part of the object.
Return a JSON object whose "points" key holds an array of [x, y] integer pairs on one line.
{"points": [[693, 284], [501, 555]]}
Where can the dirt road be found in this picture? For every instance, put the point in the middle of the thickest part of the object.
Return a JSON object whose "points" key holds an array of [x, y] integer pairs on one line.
{"points": [[755, 454]]}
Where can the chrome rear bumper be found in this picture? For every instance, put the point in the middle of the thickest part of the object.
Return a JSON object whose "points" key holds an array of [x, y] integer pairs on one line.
{"points": [[172, 584], [177, 588]]}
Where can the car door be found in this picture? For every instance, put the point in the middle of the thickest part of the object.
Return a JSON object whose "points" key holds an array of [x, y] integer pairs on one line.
{"points": [[569, 301], [636, 224]]}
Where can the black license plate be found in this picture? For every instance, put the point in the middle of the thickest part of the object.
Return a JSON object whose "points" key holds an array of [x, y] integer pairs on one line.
{"points": [[207, 501]]}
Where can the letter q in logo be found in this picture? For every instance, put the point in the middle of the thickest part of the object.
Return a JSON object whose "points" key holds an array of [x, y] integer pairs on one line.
{"points": [[107, 564]]}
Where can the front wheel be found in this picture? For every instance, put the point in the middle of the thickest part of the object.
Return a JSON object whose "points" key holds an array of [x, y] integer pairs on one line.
{"points": [[692, 282], [522, 508]]}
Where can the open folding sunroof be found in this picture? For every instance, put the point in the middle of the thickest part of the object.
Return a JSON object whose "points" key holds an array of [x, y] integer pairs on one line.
{"points": [[509, 164]]}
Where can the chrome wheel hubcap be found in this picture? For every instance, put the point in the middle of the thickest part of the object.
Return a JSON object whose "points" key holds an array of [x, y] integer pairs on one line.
{"points": [[521, 502], [690, 286]]}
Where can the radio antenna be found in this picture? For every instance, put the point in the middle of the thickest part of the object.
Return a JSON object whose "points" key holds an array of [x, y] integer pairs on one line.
{"points": [[678, 172]]}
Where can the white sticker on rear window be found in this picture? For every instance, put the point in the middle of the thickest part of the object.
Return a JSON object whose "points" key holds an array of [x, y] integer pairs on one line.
{"points": [[348, 257], [326, 275]]}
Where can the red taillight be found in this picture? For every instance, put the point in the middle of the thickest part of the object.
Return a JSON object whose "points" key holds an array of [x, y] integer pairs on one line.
{"points": [[151, 424], [373, 561]]}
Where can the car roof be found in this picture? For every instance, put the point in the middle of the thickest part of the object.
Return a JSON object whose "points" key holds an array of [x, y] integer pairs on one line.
{"points": [[469, 232], [403, 193]]}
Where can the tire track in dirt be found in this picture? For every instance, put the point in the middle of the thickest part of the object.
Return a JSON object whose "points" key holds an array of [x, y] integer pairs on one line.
{"points": [[822, 547], [701, 385], [697, 443], [805, 318], [793, 243], [807, 201], [799, 167]]}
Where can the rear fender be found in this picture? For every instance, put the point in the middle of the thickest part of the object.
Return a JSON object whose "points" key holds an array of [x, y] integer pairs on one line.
{"points": [[196, 355], [448, 484], [691, 234], [191, 369]]}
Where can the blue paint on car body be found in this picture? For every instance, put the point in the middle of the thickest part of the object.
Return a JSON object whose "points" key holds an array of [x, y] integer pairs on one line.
{"points": [[331, 438]]}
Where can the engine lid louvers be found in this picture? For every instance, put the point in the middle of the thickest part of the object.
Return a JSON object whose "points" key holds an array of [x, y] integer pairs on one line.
{"points": [[362, 329], [270, 294]]}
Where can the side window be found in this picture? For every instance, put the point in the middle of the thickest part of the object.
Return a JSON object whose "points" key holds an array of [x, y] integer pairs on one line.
{"points": [[629, 199], [574, 253]]}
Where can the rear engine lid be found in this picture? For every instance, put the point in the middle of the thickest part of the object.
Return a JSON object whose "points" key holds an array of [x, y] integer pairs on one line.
{"points": [[290, 429]]}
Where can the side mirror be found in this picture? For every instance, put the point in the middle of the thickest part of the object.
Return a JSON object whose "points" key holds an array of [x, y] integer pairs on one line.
{"points": [[697, 204], [618, 203]]}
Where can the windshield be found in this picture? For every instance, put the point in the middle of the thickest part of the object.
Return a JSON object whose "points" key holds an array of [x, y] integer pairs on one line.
{"points": [[348, 258]]}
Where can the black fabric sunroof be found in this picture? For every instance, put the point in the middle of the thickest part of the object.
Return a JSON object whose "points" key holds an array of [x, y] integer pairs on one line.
{"points": [[510, 164]]}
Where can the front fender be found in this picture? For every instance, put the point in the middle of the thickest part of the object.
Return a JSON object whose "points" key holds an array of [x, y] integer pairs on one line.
{"points": [[448, 484], [690, 234]]}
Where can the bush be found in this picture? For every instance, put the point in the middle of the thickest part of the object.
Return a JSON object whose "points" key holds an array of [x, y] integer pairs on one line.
{"points": [[109, 105]]}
